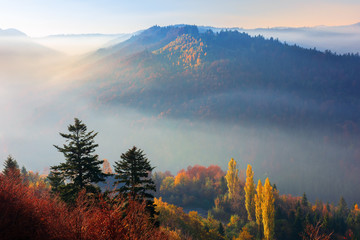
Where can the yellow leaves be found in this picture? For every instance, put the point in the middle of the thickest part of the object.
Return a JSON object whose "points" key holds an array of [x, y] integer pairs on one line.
{"points": [[167, 183], [268, 210], [185, 51], [250, 193], [232, 179], [181, 178], [356, 207], [313, 208], [245, 235], [234, 219], [258, 199]]}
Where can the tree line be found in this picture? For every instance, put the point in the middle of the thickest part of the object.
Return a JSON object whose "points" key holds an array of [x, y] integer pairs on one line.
{"points": [[236, 207]]}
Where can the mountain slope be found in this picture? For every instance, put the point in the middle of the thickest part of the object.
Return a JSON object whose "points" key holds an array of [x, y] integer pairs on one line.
{"points": [[291, 111], [11, 32], [230, 76]]}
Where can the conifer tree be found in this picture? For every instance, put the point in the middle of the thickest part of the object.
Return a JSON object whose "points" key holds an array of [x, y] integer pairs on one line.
{"points": [[258, 211], [11, 167], [250, 193], [56, 181], [133, 175], [82, 168], [232, 178], [23, 171], [304, 200], [268, 210]]}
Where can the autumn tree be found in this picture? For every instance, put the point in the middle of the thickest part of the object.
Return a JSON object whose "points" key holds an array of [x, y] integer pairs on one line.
{"points": [[232, 179], [258, 210], [315, 232], [82, 168], [11, 166], [245, 235], [250, 193], [268, 210], [133, 175]]}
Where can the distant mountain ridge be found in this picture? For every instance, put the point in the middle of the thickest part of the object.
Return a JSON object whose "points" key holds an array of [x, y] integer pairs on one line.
{"points": [[230, 76], [11, 32]]}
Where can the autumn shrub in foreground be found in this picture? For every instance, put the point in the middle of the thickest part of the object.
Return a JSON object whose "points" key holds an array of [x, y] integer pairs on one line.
{"points": [[31, 213]]}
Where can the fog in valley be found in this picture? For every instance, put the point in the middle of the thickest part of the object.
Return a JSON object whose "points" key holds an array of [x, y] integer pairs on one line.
{"points": [[40, 96]]}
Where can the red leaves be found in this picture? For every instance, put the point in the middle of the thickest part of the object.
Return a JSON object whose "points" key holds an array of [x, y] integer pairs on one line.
{"points": [[31, 213]]}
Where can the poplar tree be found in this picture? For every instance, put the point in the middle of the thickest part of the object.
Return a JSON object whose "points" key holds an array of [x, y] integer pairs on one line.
{"points": [[133, 175], [268, 210], [82, 168], [258, 199], [232, 178], [250, 193]]}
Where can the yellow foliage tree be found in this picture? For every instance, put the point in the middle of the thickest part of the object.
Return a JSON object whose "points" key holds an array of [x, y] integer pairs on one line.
{"points": [[356, 207], [250, 193], [232, 178], [268, 210], [181, 178], [245, 235], [258, 199]]}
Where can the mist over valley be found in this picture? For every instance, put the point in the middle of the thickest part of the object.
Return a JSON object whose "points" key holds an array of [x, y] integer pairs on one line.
{"points": [[191, 95]]}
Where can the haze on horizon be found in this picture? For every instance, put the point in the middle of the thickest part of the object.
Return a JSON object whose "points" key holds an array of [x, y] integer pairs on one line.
{"points": [[39, 103], [41, 18]]}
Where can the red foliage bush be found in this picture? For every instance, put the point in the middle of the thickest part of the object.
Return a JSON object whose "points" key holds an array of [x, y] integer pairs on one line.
{"points": [[31, 213]]}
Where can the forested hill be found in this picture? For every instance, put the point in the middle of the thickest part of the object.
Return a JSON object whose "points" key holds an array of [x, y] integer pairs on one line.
{"points": [[229, 76]]}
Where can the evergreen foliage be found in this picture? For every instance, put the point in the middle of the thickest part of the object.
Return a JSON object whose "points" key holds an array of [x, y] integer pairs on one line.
{"points": [[304, 200], [81, 169], [133, 175], [11, 166]]}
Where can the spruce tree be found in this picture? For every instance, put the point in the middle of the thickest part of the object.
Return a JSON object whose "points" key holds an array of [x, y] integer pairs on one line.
{"points": [[133, 175], [304, 200], [56, 181], [82, 168], [11, 167]]}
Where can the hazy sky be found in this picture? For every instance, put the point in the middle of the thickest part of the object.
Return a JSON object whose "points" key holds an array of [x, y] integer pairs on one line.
{"points": [[44, 17]]}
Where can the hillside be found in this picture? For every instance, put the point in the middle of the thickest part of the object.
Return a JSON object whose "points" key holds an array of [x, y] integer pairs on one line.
{"points": [[298, 108], [231, 77]]}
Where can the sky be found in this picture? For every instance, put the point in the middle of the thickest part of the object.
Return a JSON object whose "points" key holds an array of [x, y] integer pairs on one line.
{"points": [[38, 18]]}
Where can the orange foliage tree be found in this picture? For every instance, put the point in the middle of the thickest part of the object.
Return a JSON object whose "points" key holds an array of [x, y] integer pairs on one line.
{"points": [[31, 213]]}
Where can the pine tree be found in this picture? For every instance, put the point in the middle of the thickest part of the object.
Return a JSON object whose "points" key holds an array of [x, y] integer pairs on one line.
{"points": [[23, 171], [56, 181], [11, 167], [258, 199], [133, 175], [250, 193], [268, 210], [81, 169], [221, 229], [232, 178], [304, 200], [343, 209]]}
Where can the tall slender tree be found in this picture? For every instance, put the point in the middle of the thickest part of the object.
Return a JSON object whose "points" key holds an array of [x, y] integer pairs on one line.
{"points": [[268, 210], [232, 179], [250, 193], [133, 175], [258, 199], [82, 168]]}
